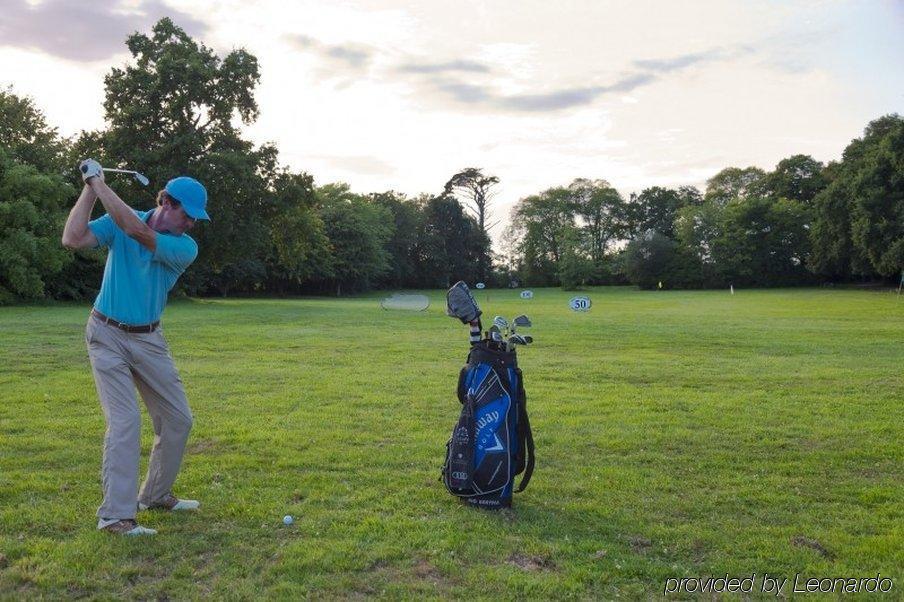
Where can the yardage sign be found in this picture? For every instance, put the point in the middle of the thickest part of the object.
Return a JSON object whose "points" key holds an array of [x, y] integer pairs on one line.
{"points": [[580, 304], [527, 294]]}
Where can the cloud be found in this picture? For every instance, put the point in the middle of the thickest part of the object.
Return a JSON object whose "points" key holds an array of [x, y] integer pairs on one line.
{"points": [[447, 78], [364, 165], [353, 55], [679, 62], [551, 101], [466, 93], [645, 73], [454, 66], [83, 31]]}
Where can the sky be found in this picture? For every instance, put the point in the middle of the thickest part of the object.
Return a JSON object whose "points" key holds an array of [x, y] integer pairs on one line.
{"points": [[400, 95]]}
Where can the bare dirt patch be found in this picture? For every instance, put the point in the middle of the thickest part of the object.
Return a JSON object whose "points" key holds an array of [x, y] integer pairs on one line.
{"points": [[531, 563], [807, 542]]}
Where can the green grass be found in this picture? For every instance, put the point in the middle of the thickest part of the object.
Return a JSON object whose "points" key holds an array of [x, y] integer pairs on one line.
{"points": [[677, 433]]}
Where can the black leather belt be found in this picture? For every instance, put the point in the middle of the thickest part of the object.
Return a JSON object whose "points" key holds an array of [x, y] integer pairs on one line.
{"points": [[126, 327]]}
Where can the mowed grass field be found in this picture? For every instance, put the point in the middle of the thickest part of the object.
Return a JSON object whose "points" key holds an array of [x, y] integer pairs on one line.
{"points": [[678, 434]]}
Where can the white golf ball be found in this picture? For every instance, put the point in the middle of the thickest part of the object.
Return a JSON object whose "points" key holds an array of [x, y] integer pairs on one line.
{"points": [[288, 520]]}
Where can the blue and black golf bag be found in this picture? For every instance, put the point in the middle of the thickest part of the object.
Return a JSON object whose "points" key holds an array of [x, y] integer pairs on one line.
{"points": [[492, 441]]}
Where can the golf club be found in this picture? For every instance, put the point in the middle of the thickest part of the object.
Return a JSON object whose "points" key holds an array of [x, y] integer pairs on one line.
{"points": [[521, 320], [142, 179], [517, 339], [501, 323]]}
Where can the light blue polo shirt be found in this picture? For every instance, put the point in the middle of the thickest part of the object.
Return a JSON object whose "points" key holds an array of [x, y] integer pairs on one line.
{"points": [[136, 281]]}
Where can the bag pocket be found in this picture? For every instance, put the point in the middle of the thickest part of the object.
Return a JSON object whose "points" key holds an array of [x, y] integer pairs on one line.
{"points": [[463, 385]]}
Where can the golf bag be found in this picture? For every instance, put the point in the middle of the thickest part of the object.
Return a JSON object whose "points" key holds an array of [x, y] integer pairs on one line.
{"points": [[492, 441]]}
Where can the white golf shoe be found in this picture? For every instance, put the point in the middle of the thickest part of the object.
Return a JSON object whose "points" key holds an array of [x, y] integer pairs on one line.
{"points": [[127, 526], [172, 503]]}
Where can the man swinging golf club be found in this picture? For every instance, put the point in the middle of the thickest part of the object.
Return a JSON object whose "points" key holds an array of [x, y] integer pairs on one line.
{"points": [[147, 252]]}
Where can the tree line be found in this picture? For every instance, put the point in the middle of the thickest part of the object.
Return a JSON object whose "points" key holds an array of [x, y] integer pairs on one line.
{"points": [[176, 107], [802, 223]]}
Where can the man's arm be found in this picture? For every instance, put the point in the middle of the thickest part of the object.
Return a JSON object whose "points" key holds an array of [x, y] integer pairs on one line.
{"points": [[123, 216], [76, 233]]}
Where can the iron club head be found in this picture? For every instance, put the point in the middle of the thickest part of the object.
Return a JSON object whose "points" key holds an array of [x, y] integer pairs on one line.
{"points": [[142, 179]]}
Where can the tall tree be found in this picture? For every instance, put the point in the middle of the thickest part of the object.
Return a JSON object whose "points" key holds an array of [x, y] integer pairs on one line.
{"points": [[762, 242], [174, 111], [697, 228], [830, 235], [542, 223], [475, 189], [649, 259], [401, 246], [734, 183], [449, 244], [877, 211], [798, 177], [25, 135], [576, 267], [858, 228], [358, 230], [31, 221], [600, 210], [299, 247], [655, 209]]}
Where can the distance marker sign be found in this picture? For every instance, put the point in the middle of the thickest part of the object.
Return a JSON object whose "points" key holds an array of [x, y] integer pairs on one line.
{"points": [[580, 304]]}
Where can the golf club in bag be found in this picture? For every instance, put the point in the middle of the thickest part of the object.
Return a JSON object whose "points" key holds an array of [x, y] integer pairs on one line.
{"points": [[492, 441]]}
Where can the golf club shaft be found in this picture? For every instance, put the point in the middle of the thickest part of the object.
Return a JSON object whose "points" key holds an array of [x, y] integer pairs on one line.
{"points": [[475, 332]]}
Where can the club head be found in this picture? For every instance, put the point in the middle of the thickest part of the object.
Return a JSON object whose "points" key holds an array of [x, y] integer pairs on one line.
{"points": [[501, 322], [517, 339], [142, 179], [522, 321]]}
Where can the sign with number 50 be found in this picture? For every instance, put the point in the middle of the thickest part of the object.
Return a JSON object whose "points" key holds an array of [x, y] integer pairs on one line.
{"points": [[580, 304]]}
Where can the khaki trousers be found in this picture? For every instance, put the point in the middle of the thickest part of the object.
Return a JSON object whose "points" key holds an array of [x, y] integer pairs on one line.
{"points": [[122, 361]]}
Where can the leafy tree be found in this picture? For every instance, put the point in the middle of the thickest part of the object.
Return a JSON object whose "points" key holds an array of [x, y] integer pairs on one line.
{"points": [[858, 224], [798, 177], [476, 189], [877, 210], [401, 246], [175, 111], [830, 236], [690, 196], [299, 245], [762, 242], [31, 222], [650, 259], [600, 209], [358, 230], [449, 244], [178, 101], [575, 268], [25, 135], [734, 183], [655, 209], [697, 228], [541, 224]]}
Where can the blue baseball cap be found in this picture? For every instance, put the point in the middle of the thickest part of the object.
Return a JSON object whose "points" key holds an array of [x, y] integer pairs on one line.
{"points": [[191, 193]]}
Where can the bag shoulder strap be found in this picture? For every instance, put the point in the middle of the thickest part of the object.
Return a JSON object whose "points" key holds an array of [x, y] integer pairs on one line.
{"points": [[527, 434]]}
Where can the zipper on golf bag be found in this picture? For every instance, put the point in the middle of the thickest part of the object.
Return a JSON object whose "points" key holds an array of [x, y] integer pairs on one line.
{"points": [[492, 441]]}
